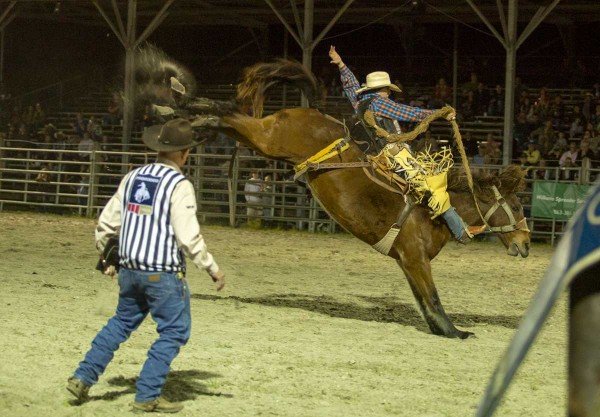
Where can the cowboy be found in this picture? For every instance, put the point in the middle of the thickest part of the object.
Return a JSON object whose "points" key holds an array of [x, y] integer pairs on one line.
{"points": [[375, 96], [155, 230]]}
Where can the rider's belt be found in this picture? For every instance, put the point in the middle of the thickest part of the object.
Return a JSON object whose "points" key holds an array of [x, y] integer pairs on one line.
{"points": [[324, 154]]}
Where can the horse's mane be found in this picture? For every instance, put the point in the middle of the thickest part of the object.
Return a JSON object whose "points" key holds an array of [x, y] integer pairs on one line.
{"points": [[258, 78], [509, 181]]}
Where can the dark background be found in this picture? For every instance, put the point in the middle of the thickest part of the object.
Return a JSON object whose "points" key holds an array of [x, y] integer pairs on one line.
{"points": [[38, 53]]}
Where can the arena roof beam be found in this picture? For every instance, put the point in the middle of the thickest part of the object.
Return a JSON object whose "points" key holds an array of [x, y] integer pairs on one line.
{"points": [[297, 18], [129, 40], [511, 43], [5, 20]]}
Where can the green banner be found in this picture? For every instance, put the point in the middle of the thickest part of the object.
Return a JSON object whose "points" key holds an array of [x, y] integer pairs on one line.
{"points": [[555, 200]]}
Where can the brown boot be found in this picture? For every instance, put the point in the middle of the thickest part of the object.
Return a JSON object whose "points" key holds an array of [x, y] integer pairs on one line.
{"points": [[159, 405], [76, 387], [476, 230], [470, 232]]}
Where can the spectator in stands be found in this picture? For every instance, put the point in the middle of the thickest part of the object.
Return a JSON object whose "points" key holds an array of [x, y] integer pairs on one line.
{"points": [[22, 134], [27, 117], [79, 125], [595, 118], [441, 95], [480, 159], [569, 155], [252, 191], [496, 102], [576, 128], [15, 116], [471, 85], [576, 114], [532, 155], [545, 136], [493, 153], [114, 110], [94, 128], [521, 132], [586, 152], [561, 141], [470, 144], [587, 107], [552, 159], [267, 200], [596, 91], [149, 117], [39, 117], [557, 110], [86, 144]]}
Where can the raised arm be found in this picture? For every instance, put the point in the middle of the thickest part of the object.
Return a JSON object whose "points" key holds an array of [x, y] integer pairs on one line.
{"points": [[349, 82]]}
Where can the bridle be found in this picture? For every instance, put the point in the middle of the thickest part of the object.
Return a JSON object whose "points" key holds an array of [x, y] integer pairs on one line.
{"points": [[501, 203]]}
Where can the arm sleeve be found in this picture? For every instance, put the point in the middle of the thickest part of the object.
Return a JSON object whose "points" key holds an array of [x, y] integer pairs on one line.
{"points": [[350, 85], [186, 227], [387, 108], [109, 222]]}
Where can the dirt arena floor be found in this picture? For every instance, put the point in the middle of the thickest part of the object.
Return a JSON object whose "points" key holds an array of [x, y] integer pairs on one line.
{"points": [[308, 325]]}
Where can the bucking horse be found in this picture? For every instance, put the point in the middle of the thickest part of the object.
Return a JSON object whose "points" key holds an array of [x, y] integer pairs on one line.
{"points": [[348, 194]]}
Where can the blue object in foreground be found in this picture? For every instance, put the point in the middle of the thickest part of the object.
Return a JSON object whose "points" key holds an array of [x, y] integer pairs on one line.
{"points": [[578, 249]]}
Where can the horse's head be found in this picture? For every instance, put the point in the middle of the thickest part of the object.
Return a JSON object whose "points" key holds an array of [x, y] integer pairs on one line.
{"points": [[502, 209]]}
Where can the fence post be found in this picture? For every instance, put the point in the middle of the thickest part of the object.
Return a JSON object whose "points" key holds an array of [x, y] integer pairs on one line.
{"points": [[232, 185], [91, 184]]}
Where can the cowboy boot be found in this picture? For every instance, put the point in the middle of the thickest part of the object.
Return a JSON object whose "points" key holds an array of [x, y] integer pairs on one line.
{"points": [[461, 232], [78, 388], [158, 405]]}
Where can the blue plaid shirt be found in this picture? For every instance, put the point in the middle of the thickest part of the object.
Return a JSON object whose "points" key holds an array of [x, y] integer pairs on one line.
{"points": [[381, 106]]}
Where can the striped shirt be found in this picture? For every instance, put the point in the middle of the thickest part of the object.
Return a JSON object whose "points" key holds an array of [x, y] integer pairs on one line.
{"points": [[381, 106], [169, 234], [147, 240]]}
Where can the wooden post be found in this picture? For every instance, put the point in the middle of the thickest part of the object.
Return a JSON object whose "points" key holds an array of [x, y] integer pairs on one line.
{"points": [[232, 185]]}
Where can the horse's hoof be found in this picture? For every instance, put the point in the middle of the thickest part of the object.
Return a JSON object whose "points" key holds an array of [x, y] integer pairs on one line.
{"points": [[464, 335]]}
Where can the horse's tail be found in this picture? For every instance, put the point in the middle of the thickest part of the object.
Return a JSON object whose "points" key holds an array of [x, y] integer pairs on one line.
{"points": [[257, 79]]}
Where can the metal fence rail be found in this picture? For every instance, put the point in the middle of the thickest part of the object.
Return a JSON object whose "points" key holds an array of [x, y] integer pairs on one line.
{"points": [[83, 182], [62, 180]]}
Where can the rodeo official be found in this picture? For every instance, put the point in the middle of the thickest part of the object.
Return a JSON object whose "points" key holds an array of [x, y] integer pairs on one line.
{"points": [[154, 214]]}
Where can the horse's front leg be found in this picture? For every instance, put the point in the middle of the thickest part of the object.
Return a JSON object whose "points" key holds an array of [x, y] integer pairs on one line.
{"points": [[417, 268]]}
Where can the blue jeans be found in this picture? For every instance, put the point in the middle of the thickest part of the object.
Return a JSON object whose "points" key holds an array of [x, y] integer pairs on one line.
{"points": [[167, 298], [455, 222]]}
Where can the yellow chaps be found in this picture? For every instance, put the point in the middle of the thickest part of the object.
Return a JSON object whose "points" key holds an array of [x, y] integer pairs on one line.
{"points": [[421, 176]]}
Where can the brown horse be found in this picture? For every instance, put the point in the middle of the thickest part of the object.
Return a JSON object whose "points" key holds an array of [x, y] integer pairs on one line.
{"points": [[359, 205]]}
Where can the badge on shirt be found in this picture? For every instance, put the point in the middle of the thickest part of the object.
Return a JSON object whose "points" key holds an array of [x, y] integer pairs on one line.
{"points": [[142, 194]]}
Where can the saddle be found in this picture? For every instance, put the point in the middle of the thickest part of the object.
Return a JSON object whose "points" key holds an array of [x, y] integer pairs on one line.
{"points": [[380, 167]]}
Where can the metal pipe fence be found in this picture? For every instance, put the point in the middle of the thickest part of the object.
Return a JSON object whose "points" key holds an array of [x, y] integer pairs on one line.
{"points": [[77, 181], [83, 182]]}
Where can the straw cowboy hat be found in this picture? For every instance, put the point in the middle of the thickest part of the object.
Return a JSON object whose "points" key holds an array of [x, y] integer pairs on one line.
{"points": [[376, 80], [175, 135]]}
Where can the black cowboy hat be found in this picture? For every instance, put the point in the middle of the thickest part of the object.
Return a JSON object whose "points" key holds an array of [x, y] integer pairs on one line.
{"points": [[175, 135]]}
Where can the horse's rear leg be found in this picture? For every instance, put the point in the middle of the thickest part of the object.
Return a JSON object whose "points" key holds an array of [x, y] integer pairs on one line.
{"points": [[418, 274]]}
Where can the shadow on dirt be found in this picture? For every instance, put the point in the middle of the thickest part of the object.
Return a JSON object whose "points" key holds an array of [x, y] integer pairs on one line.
{"points": [[381, 309], [180, 386]]}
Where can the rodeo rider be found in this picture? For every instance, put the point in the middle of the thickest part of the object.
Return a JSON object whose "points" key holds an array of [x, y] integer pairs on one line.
{"points": [[154, 214], [375, 96]]}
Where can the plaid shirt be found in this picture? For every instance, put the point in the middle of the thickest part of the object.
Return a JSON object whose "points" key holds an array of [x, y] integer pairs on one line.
{"points": [[381, 106]]}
